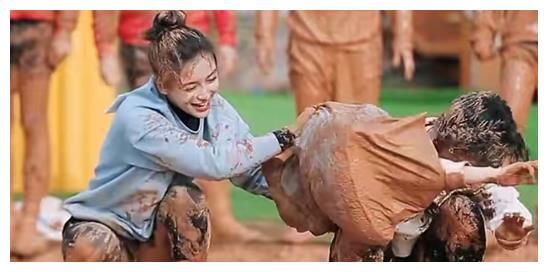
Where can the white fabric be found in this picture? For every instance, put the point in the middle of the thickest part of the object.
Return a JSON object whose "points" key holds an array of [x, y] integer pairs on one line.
{"points": [[51, 219], [407, 233], [506, 200]]}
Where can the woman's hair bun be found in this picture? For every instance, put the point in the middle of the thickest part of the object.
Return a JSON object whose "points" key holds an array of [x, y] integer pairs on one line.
{"points": [[165, 21]]}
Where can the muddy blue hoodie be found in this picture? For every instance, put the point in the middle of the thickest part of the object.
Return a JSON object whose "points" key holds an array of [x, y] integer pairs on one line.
{"points": [[148, 148]]}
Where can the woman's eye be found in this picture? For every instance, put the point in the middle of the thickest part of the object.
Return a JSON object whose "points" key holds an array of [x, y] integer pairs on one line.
{"points": [[190, 88], [211, 79]]}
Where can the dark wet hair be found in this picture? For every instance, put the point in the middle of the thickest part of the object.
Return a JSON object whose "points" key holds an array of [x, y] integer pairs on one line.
{"points": [[481, 125], [173, 44]]}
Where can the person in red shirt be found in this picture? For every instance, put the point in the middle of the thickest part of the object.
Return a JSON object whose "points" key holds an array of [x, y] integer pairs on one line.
{"points": [[128, 27], [39, 41]]}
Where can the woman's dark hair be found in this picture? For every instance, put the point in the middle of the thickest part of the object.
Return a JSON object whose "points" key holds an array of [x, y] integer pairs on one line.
{"points": [[173, 44], [481, 125]]}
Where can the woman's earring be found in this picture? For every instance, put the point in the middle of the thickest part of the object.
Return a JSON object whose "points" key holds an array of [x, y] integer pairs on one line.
{"points": [[451, 150]]}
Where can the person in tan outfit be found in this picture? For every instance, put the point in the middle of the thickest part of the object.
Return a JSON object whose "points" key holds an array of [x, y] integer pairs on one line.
{"points": [[514, 35], [39, 41], [335, 55]]}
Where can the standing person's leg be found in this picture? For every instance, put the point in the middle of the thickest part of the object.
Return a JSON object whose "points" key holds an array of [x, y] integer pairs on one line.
{"points": [[136, 66], [225, 227], [518, 81], [14, 86], [182, 229], [34, 90], [359, 72], [310, 73]]}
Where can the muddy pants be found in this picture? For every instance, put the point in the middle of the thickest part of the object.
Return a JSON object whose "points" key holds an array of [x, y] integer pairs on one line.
{"points": [[343, 73], [181, 233]]}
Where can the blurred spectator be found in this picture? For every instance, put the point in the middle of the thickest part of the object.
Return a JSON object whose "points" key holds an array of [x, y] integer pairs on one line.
{"points": [[39, 41]]}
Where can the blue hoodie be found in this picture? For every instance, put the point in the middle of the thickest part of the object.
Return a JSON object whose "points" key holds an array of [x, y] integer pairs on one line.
{"points": [[148, 148]]}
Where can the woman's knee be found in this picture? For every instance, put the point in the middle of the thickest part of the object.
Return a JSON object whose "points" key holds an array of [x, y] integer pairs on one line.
{"points": [[91, 242]]}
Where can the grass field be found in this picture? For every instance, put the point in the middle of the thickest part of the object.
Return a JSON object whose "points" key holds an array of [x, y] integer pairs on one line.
{"points": [[265, 112]]}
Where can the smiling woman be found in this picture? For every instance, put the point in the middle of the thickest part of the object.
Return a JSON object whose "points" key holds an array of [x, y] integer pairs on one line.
{"points": [[159, 143]]}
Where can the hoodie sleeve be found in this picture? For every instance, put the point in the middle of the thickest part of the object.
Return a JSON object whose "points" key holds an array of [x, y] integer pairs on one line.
{"points": [[176, 149]]}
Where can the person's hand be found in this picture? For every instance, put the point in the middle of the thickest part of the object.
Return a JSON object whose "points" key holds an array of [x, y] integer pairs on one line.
{"points": [[511, 233], [484, 50], [228, 56], [265, 55], [61, 45], [518, 173], [404, 53], [110, 70], [296, 127]]}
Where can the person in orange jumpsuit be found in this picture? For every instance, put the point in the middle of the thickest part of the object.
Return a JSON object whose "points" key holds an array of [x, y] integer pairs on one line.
{"points": [[334, 56], [514, 35], [39, 41], [128, 26]]}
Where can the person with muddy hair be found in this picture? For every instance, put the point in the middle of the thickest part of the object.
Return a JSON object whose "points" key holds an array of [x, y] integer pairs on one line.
{"points": [[39, 41], [372, 181], [143, 204]]}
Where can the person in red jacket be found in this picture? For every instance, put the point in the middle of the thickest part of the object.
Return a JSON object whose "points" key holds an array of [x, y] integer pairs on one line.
{"points": [[39, 41], [128, 27]]}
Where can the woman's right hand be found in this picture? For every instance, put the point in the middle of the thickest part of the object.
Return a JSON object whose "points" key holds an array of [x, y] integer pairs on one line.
{"points": [[297, 126]]}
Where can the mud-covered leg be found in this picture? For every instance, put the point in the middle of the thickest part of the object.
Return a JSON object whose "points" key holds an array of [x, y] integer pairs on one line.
{"points": [[457, 233], [343, 249], [185, 217], [85, 241]]}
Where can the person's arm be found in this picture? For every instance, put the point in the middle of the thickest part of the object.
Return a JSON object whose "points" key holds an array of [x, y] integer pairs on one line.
{"points": [[105, 29], [253, 180], [483, 35], [402, 45], [61, 42], [65, 21], [225, 21], [186, 153], [265, 30], [461, 174]]}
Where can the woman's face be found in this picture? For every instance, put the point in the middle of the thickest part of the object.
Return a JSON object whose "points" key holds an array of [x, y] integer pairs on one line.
{"points": [[199, 81]]}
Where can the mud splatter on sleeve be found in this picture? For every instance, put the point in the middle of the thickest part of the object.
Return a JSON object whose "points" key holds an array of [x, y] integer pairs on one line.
{"points": [[253, 181], [185, 153]]}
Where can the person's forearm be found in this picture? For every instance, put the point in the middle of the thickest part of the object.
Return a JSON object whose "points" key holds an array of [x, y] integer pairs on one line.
{"points": [[266, 24], [459, 174]]}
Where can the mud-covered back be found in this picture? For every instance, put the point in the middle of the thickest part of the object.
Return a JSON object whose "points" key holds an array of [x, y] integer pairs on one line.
{"points": [[357, 168]]}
